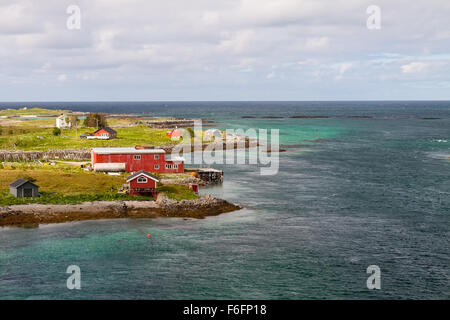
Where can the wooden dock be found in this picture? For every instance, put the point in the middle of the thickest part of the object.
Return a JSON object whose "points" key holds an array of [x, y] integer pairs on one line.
{"points": [[209, 175]]}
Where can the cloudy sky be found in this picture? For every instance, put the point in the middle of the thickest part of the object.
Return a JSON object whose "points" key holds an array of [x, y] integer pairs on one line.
{"points": [[224, 50]]}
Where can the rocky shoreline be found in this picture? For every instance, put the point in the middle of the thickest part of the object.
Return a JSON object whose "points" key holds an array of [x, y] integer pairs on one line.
{"points": [[35, 214]]}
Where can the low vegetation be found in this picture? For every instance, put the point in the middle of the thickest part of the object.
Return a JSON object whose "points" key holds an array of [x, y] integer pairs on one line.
{"points": [[30, 111], [178, 192], [56, 198], [67, 184], [131, 121], [40, 134], [44, 139]]}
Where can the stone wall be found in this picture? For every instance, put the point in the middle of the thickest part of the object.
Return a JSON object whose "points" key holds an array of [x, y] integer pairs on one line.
{"points": [[8, 155]]}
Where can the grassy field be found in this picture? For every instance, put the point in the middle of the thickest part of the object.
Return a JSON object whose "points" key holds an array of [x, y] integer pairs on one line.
{"points": [[29, 134], [178, 192], [47, 122], [27, 123], [126, 121], [42, 139], [65, 184], [30, 111]]}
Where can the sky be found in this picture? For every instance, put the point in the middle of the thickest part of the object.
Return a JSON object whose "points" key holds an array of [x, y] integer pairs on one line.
{"points": [[230, 50]]}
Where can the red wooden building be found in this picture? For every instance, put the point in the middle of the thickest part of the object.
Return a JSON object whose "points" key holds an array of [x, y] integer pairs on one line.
{"points": [[142, 183], [175, 133], [134, 159], [106, 132]]}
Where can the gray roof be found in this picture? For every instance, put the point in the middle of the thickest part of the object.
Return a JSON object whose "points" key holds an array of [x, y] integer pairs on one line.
{"points": [[142, 172], [175, 159], [21, 182]]}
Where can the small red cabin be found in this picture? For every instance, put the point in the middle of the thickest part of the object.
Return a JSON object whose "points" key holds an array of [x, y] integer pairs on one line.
{"points": [[175, 133], [143, 183], [106, 132]]}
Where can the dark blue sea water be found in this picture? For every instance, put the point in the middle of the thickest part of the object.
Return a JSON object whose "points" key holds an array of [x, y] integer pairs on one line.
{"points": [[351, 192]]}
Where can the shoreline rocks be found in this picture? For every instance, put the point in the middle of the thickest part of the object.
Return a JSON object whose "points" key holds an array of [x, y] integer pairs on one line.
{"points": [[184, 181], [35, 214]]}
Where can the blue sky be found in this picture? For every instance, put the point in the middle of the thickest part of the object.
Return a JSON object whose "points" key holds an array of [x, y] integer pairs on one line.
{"points": [[147, 50]]}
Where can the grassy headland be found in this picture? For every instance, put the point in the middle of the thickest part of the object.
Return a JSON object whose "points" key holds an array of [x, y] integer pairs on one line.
{"points": [[30, 111], [42, 139], [19, 131], [67, 184]]}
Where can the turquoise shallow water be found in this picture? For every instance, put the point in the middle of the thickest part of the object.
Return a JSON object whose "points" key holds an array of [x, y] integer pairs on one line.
{"points": [[369, 191]]}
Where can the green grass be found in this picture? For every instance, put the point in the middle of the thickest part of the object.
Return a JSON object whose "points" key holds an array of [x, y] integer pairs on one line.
{"points": [[27, 139], [30, 111], [126, 121], [63, 179], [178, 192], [56, 198], [67, 184], [36, 123]]}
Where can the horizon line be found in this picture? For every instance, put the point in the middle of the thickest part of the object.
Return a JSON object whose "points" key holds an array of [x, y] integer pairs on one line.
{"points": [[172, 101]]}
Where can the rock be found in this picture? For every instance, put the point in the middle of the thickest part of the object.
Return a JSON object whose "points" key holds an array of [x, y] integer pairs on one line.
{"points": [[33, 214], [164, 201], [185, 181]]}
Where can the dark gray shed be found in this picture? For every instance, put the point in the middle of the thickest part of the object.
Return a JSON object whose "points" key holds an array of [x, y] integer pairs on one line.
{"points": [[23, 188]]}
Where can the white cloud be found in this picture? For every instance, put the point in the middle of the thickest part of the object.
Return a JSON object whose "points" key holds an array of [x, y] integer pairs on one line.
{"points": [[210, 17], [19, 18], [317, 43], [414, 67], [238, 41], [271, 75], [219, 45], [88, 76], [342, 68]]}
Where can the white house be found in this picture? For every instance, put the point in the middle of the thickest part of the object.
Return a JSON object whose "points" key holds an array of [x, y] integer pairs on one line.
{"points": [[61, 122]]}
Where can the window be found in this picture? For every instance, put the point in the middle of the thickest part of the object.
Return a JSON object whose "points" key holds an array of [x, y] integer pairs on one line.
{"points": [[156, 156], [27, 192], [156, 166], [175, 166], [137, 157], [104, 134], [142, 180], [168, 166]]}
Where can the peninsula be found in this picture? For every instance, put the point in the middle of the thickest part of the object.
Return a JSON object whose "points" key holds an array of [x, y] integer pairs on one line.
{"points": [[53, 152]]}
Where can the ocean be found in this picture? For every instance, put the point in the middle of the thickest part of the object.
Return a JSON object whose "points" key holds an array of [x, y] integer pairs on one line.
{"points": [[368, 185]]}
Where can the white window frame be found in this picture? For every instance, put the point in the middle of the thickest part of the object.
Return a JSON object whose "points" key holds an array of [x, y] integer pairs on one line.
{"points": [[175, 166], [156, 166], [142, 180], [104, 134], [168, 166], [156, 156], [137, 157]]}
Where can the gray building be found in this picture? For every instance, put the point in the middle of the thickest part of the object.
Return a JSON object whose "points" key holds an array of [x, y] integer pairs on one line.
{"points": [[23, 188]]}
